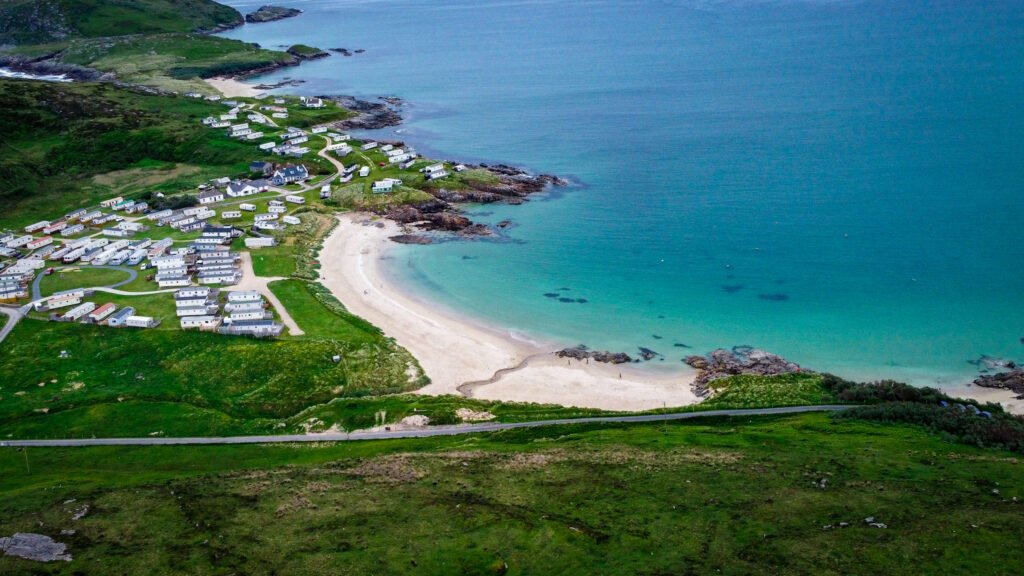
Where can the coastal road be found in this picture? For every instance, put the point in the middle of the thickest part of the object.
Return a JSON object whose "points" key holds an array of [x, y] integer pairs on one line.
{"points": [[416, 433]]}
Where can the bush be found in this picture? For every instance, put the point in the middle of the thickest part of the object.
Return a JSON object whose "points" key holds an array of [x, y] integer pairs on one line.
{"points": [[995, 430]]}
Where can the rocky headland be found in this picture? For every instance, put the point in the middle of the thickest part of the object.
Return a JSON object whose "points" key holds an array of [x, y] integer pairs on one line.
{"points": [[270, 14], [722, 363]]}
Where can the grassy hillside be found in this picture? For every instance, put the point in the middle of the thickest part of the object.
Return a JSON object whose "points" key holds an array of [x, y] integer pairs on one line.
{"points": [[59, 137], [175, 62], [43, 21], [733, 496]]}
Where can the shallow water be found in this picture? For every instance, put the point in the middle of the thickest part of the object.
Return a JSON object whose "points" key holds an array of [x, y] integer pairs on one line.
{"points": [[838, 182]]}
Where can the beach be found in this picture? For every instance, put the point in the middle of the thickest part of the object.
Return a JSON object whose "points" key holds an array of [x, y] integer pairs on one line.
{"points": [[232, 88], [462, 356]]}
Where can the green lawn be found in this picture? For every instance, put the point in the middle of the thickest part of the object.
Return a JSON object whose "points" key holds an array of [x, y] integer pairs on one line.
{"points": [[750, 391], [316, 319], [229, 384], [728, 496], [93, 18], [80, 277]]}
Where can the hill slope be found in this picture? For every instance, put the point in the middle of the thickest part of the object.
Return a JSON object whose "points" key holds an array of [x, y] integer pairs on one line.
{"points": [[44, 21]]}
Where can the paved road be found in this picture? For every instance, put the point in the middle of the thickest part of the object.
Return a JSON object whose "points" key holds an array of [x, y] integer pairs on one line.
{"points": [[417, 433], [13, 316]]}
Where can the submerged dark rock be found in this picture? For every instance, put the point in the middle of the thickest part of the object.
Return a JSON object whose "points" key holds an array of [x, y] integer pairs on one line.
{"points": [[778, 297], [732, 288], [551, 294], [411, 239], [647, 353]]}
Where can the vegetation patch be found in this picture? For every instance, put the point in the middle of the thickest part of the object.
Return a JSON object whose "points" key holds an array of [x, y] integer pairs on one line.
{"points": [[776, 495]]}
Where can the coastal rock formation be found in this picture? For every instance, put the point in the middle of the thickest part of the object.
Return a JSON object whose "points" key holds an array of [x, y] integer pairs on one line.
{"points": [[740, 360], [369, 115], [270, 14], [47, 66], [583, 354], [411, 239], [34, 547], [303, 52], [1012, 381]]}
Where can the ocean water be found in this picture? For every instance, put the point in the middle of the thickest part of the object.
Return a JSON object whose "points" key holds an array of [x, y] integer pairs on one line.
{"points": [[840, 182]]}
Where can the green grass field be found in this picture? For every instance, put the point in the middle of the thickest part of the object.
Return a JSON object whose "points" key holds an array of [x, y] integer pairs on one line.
{"points": [[175, 62], [70, 145], [229, 385], [80, 277], [64, 19], [728, 496]]}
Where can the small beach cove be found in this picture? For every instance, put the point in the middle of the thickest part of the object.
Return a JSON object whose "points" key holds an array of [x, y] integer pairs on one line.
{"points": [[462, 356]]}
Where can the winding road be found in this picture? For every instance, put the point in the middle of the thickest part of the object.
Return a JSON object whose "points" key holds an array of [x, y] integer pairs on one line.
{"points": [[132, 275], [14, 315], [417, 433]]}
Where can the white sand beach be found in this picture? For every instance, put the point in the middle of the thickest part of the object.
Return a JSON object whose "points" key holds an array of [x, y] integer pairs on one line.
{"points": [[232, 88], [457, 352]]}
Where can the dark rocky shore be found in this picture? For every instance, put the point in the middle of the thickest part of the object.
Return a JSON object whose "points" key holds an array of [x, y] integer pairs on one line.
{"points": [[47, 66], [270, 14], [739, 360], [512, 186]]}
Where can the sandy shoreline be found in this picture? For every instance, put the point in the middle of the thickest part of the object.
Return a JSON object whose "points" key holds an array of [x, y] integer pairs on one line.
{"points": [[232, 88], [455, 351], [462, 356]]}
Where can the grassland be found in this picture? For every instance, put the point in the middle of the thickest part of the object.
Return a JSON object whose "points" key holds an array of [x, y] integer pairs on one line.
{"points": [[176, 62], [42, 21], [165, 373], [729, 496], [60, 137], [82, 277]]}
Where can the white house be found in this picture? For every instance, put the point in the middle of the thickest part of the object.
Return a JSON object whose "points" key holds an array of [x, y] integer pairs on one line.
{"points": [[230, 214], [295, 199], [210, 196], [291, 220], [140, 322], [435, 171], [368, 146], [193, 291], [244, 296], [174, 281], [102, 312], [382, 186], [200, 322], [79, 311], [247, 207], [262, 242]]}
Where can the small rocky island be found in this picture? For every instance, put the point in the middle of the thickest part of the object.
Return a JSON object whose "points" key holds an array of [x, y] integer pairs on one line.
{"points": [[303, 52], [270, 14]]}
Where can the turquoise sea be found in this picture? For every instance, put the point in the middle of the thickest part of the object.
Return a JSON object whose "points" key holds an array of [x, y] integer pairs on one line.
{"points": [[840, 182]]}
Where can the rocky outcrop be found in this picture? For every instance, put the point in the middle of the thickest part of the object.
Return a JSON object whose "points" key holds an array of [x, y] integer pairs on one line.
{"points": [[369, 115], [303, 52], [722, 363], [582, 353], [47, 66], [34, 547], [270, 14], [1012, 381]]}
